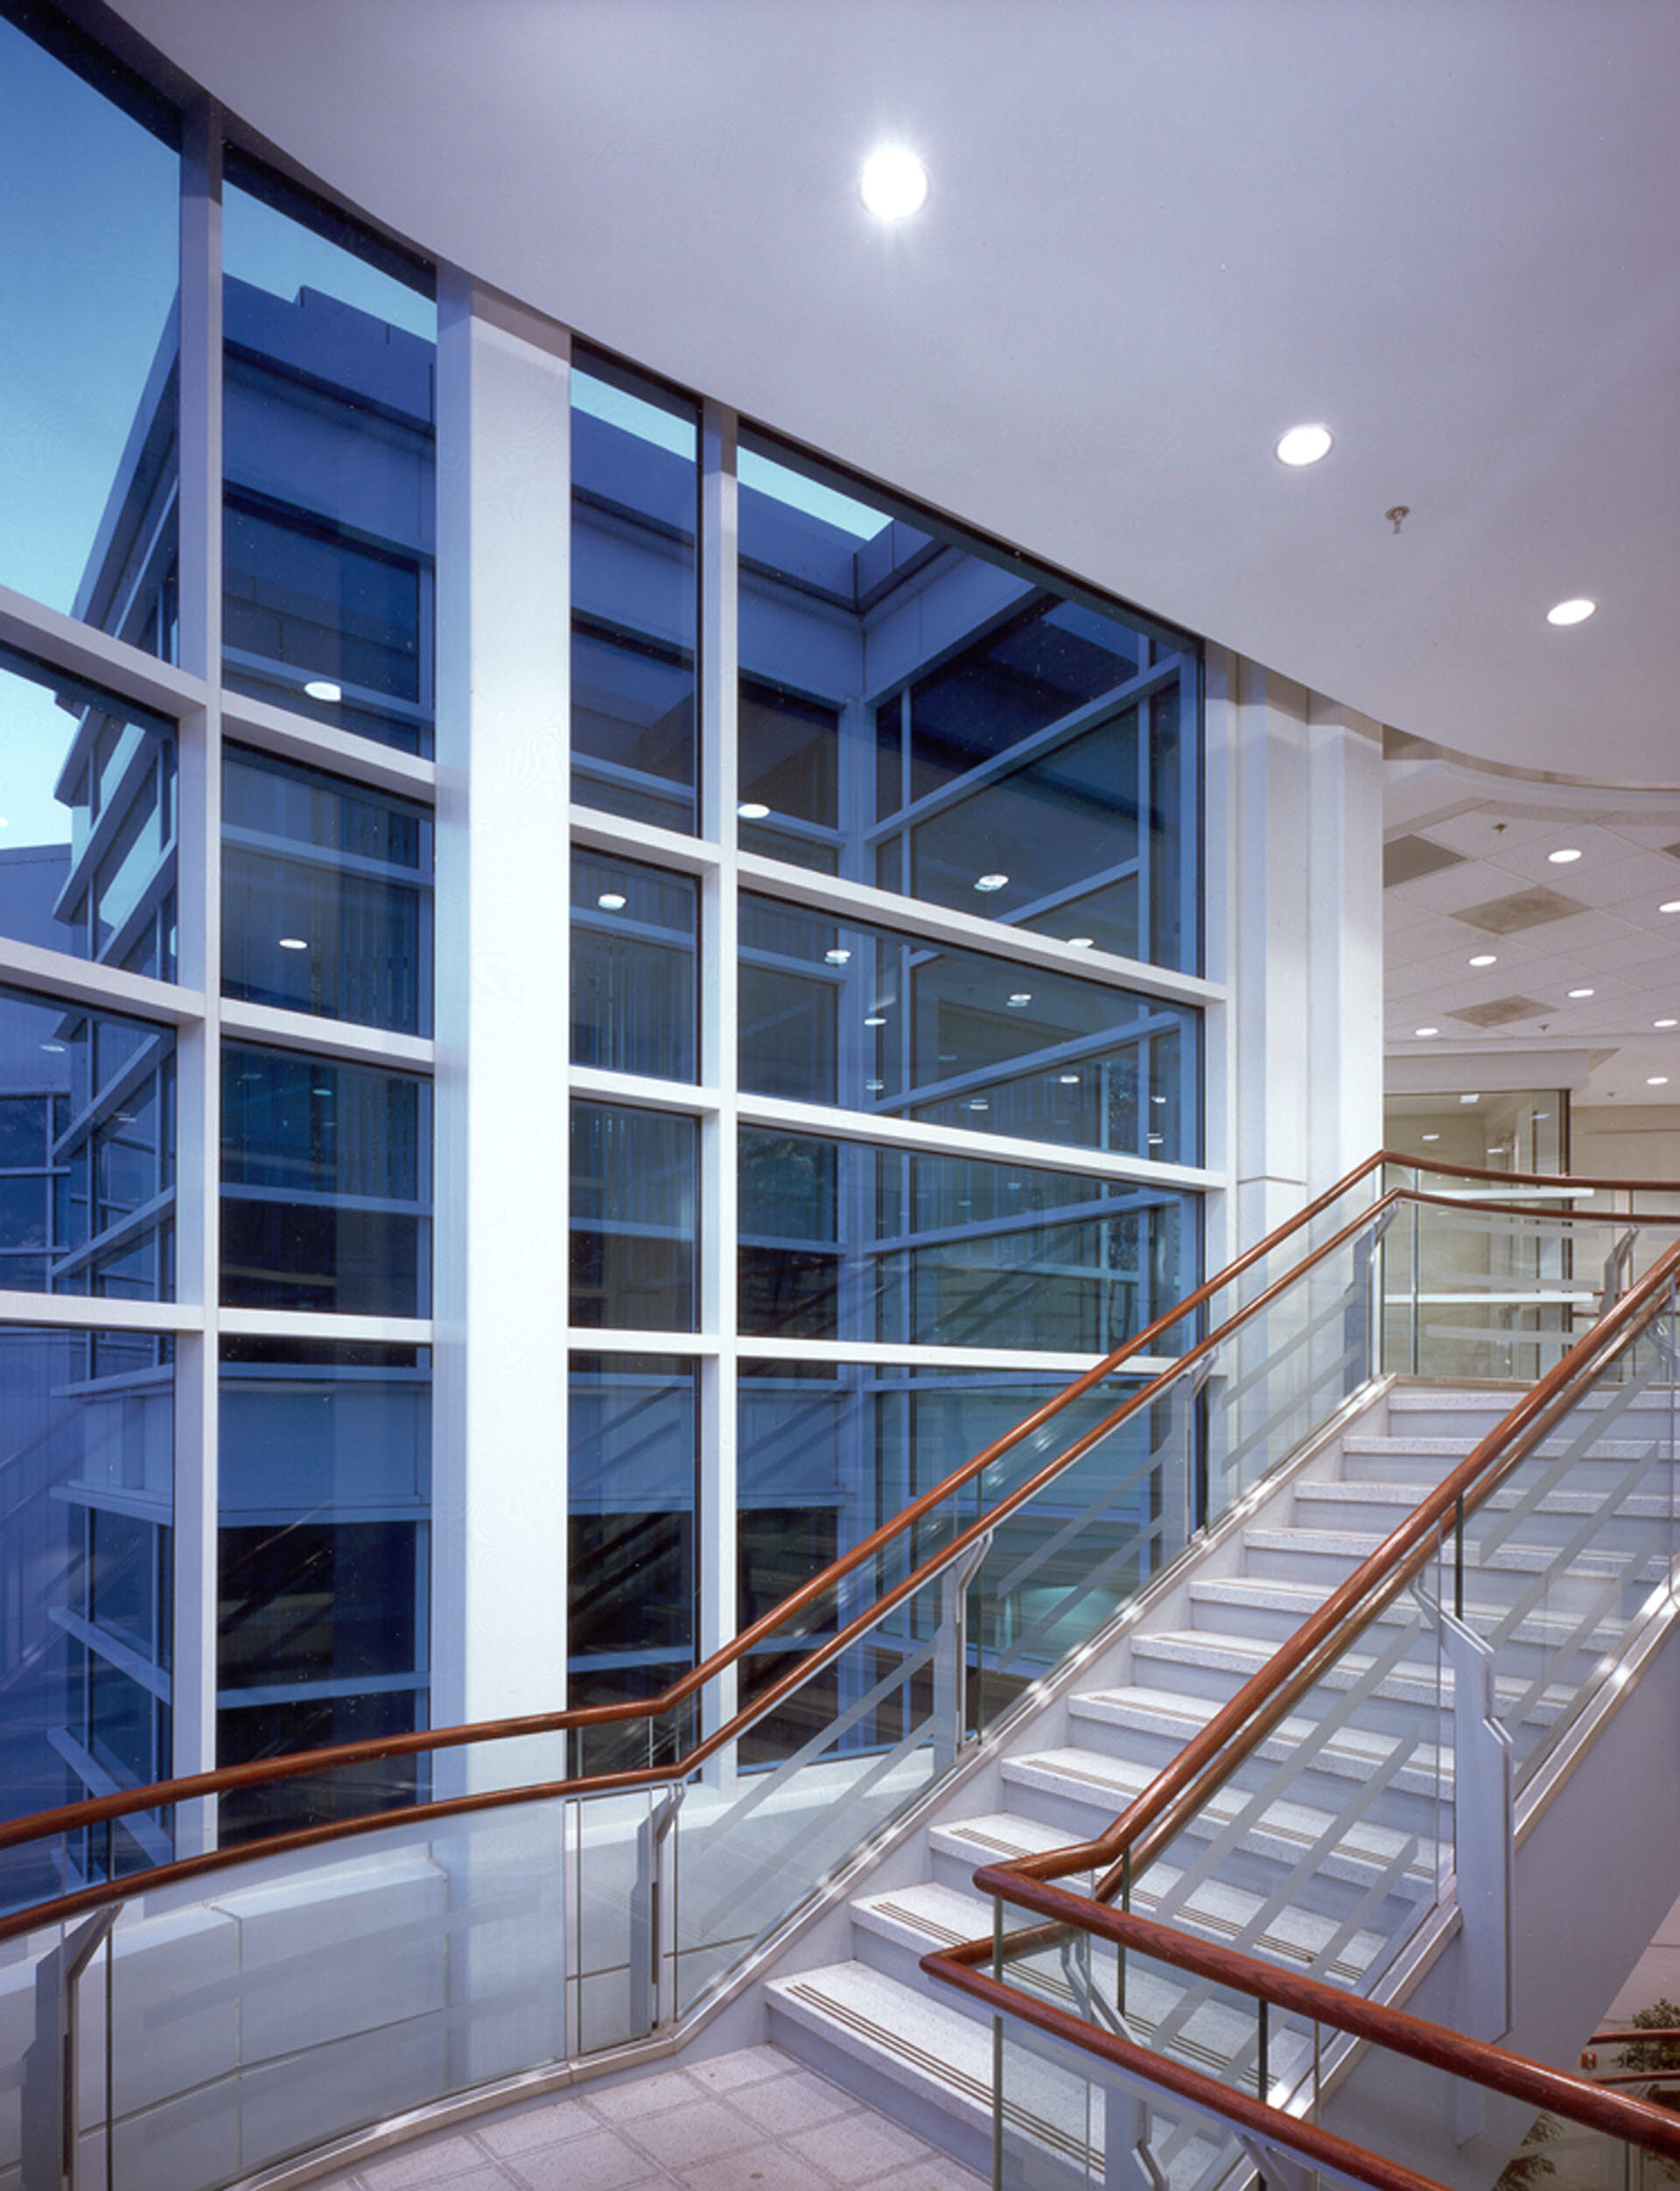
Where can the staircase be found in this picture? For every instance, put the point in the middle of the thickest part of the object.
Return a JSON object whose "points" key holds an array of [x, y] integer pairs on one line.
{"points": [[1294, 1885]]}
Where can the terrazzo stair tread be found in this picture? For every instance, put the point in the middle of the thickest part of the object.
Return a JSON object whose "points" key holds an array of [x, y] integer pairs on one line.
{"points": [[1355, 1752], [933, 2049], [924, 1916], [1411, 1682], [1287, 1831], [1263, 1543], [1404, 1446], [1217, 1908], [1351, 1492]]}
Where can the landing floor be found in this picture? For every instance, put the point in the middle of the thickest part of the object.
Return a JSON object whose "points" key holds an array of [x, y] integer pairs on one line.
{"points": [[753, 2121]]}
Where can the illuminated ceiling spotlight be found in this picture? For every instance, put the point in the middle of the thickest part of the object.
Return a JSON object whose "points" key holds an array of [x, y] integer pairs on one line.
{"points": [[991, 882], [1305, 444], [893, 183], [610, 901], [751, 811], [323, 689], [1572, 612], [294, 943]]}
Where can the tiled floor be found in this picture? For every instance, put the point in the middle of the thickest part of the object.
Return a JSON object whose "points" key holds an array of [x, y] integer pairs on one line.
{"points": [[753, 2121]]}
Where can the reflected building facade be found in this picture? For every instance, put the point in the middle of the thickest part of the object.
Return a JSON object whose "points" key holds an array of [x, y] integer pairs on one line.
{"points": [[852, 1003]]}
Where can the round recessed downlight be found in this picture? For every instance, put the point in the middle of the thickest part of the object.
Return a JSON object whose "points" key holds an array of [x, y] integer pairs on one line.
{"points": [[1156, 1139], [838, 958], [751, 811], [54, 1049], [1666, 1022], [1426, 1031], [1564, 856], [893, 183], [1572, 612], [1669, 904], [1068, 1080], [1485, 958], [610, 901], [294, 943], [989, 882], [323, 689], [979, 1104], [874, 1087], [1305, 444], [1431, 1137], [1578, 993], [1657, 1080], [1081, 942], [1021, 996]]}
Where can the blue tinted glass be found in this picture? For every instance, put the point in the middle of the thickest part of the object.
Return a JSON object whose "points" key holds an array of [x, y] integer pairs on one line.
{"points": [[635, 504], [86, 821], [876, 1021], [985, 723], [84, 1574], [841, 1240], [635, 982], [87, 1152], [91, 189], [326, 896], [633, 1468], [633, 1219], [329, 427], [326, 1185]]}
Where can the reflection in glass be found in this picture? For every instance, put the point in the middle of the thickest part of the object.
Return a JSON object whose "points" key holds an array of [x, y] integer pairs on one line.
{"points": [[87, 1152], [635, 599], [329, 425], [86, 821], [842, 1241], [86, 1494], [326, 895], [633, 1463], [920, 712], [326, 1185], [90, 180], [876, 1021], [635, 982], [633, 1219]]}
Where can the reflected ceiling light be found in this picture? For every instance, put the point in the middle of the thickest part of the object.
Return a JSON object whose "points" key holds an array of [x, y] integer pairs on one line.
{"points": [[1426, 1031], [1657, 1080], [320, 1091], [876, 1020], [1563, 855], [1572, 612], [1068, 1080], [1469, 1099], [1305, 444], [1081, 942], [893, 183], [1486, 958], [1666, 1022], [53, 1049], [991, 882], [875, 1087], [979, 1104], [1155, 1140], [1669, 904], [1583, 992], [4, 823], [324, 689], [1431, 1137], [610, 901], [294, 943], [1021, 996], [750, 810], [836, 958]]}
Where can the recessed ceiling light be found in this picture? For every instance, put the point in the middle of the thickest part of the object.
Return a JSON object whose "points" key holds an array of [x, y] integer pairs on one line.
{"points": [[610, 901], [836, 958], [1564, 855], [1486, 958], [1572, 612], [1157, 1099], [1021, 996], [893, 183], [1426, 1031], [1669, 904], [991, 882], [53, 1049], [1657, 1080], [1081, 942], [294, 943], [979, 1104], [1583, 992], [750, 810], [1068, 1080], [324, 689], [1666, 1022], [1469, 1099], [1156, 1139], [1431, 1137], [1303, 444], [874, 1087], [876, 1020]]}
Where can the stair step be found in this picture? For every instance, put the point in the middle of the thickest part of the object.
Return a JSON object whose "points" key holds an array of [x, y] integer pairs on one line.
{"points": [[924, 1916], [928, 2047], [1353, 1751]]}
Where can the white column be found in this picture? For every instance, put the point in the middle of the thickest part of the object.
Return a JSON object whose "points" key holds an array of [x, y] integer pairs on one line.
{"points": [[1295, 928], [501, 1187]]}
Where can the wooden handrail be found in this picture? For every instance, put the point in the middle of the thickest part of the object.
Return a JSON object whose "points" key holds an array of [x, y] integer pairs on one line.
{"points": [[167, 1794], [1514, 2076]]}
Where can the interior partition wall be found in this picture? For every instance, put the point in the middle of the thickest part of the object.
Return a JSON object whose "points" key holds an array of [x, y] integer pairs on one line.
{"points": [[588, 1001]]}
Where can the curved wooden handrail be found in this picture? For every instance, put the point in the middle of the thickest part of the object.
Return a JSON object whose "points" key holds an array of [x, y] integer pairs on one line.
{"points": [[167, 1794], [1514, 2076]]}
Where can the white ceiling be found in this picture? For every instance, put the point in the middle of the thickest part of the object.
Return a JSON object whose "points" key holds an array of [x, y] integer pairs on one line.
{"points": [[1160, 232]]}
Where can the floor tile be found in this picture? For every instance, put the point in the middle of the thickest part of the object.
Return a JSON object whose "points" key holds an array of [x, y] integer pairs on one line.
{"points": [[860, 2149], [771, 2167], [548, 2125], [453, 2161], [792, 2103], [684, 2135], [642, 2096], [603, 2161]]}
